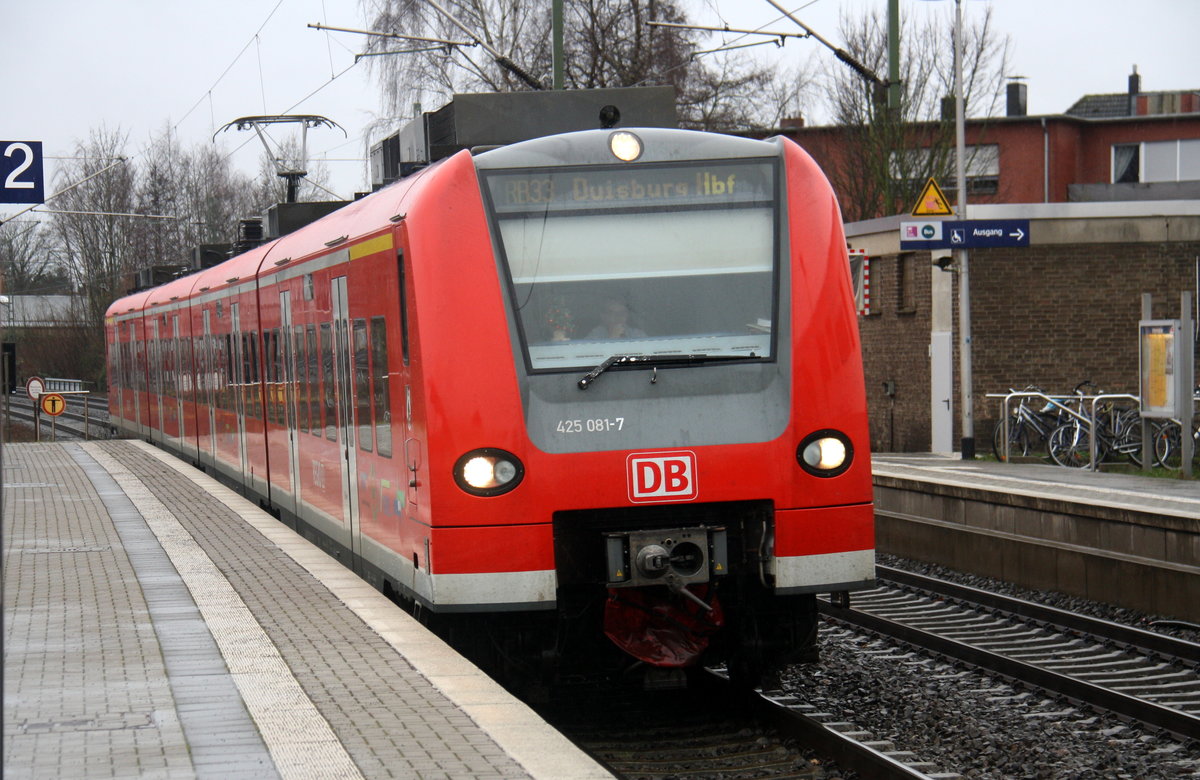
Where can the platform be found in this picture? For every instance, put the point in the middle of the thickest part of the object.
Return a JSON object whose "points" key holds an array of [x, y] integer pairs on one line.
{"points": [[1123, 539], [158, 625]]}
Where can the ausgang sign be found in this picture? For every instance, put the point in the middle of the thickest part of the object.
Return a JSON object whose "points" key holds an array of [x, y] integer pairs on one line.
{"points": [[977, 233], [966, 234]]}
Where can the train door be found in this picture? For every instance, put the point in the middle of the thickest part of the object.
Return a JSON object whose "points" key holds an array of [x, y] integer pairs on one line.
{"points": [[345, 411], [180, 382], [133, 405], [239, 380], [116, 373], [155, 356], [137, 334], [289, 396], [209, 385]]}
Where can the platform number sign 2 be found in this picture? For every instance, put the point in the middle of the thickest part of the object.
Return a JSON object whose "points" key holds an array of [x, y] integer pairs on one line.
{"points": [[21, 178]]}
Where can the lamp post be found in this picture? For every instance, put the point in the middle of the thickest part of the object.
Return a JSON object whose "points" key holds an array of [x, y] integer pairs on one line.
{"points": [[966, 393], [964, 277]]}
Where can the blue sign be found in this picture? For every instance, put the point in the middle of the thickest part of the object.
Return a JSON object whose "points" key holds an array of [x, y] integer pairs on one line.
{"points": [[980, 233], [966, 234], [21, 177], [922, 235]]}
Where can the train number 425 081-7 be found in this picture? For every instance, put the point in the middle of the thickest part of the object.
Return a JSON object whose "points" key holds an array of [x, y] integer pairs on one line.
{"points": [[591, 425]]}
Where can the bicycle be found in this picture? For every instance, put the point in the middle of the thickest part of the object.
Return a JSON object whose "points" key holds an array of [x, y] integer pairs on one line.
{"points": [[1168, 444], [1117, 430], [1028, 429]]}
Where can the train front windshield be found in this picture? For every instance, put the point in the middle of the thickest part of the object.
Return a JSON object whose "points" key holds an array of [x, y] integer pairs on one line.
{"points": [[651, 259]]}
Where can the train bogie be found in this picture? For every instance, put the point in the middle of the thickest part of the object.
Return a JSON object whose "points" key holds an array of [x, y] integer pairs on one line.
{"points": [[587, 394]]}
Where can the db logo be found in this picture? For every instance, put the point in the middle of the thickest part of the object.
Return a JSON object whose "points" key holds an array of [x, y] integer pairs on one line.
{"points": [[662, 476]]}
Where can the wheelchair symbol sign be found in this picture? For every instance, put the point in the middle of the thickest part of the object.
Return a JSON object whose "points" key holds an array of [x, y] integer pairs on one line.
{"points": [[958, 236]]}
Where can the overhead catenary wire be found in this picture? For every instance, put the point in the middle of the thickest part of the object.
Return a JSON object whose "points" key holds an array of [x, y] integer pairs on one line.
{"points": [[63, 191], [719, 49], [106, 214], [224, 73]]}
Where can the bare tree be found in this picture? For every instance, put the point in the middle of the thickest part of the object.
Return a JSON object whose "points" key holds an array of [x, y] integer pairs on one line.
{"points": [[28, 262], [159, 171], [98, 245], [607, 43], [421, 72], [887, 155], [213, 197]]}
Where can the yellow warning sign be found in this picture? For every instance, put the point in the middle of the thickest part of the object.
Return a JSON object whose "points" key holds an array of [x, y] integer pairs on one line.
{"points": [[932, 202], [52, 404]]}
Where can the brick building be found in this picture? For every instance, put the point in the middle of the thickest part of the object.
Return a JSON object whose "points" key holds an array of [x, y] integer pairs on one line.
{"points": [[1112, 192], [1123, 146], [1052, 314]]}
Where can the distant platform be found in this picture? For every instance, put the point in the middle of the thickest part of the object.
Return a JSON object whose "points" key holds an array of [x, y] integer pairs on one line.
{"points": [[1123, 539]]}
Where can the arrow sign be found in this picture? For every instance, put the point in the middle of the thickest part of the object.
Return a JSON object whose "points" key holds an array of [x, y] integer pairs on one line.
{"points": [[982, 233], [967, 234]]}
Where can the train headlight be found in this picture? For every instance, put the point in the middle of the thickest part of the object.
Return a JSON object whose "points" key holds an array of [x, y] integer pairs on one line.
{"points": [[488, 472], [625, 145], [825, 453]]}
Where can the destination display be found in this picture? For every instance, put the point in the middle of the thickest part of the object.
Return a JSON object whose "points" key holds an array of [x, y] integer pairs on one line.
{"points": [[632, 187]]}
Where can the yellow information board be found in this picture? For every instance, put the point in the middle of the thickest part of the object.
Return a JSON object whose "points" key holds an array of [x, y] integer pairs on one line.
{"points": [[1158, 358]]}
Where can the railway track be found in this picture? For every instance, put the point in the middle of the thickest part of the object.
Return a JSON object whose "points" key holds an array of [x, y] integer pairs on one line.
{"points": [[1138, 675], [70, 424], [715, 732]]}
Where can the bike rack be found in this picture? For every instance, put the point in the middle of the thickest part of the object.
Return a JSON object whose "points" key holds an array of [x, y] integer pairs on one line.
{"points": [[1092, 432], [1090, 422]]}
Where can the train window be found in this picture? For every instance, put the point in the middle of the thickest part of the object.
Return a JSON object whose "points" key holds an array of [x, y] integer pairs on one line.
{"points": [[300, 378], [287, 374], [327, 380], [314, 380], [279, 393], [381, 384], [268, 378], [225, 361], [253, 395], [615, 259], [274, 378], [362, 387], [403, 307], [190, 368]]}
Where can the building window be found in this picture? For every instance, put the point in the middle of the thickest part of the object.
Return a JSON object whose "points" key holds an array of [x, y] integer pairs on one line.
{"points": [[982, 168], [1156, 161], [1126, 163], [906, 282]]}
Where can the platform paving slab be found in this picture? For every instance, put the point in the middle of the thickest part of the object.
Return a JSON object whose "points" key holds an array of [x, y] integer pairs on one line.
{"points": [[157, 624]]}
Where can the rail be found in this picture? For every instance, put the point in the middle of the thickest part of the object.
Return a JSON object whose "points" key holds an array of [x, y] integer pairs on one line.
{"points": [[59, 385]]}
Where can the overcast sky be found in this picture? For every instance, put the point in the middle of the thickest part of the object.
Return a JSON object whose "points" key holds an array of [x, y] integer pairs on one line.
{"points": [[71, 66]]}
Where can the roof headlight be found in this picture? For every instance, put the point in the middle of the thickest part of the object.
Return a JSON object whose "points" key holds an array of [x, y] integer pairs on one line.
{"points": [[488, 472], [625, 145], [825, 453]]}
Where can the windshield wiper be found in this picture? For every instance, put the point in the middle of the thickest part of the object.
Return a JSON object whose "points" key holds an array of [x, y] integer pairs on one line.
{"points": [[653, 361]]}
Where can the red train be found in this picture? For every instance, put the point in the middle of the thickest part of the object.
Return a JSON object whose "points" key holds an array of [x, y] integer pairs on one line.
{"points": [[600, 383]]}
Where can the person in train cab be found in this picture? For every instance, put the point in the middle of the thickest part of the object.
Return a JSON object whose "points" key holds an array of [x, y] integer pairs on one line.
{"points": [[560, 322], [614, 323]]}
